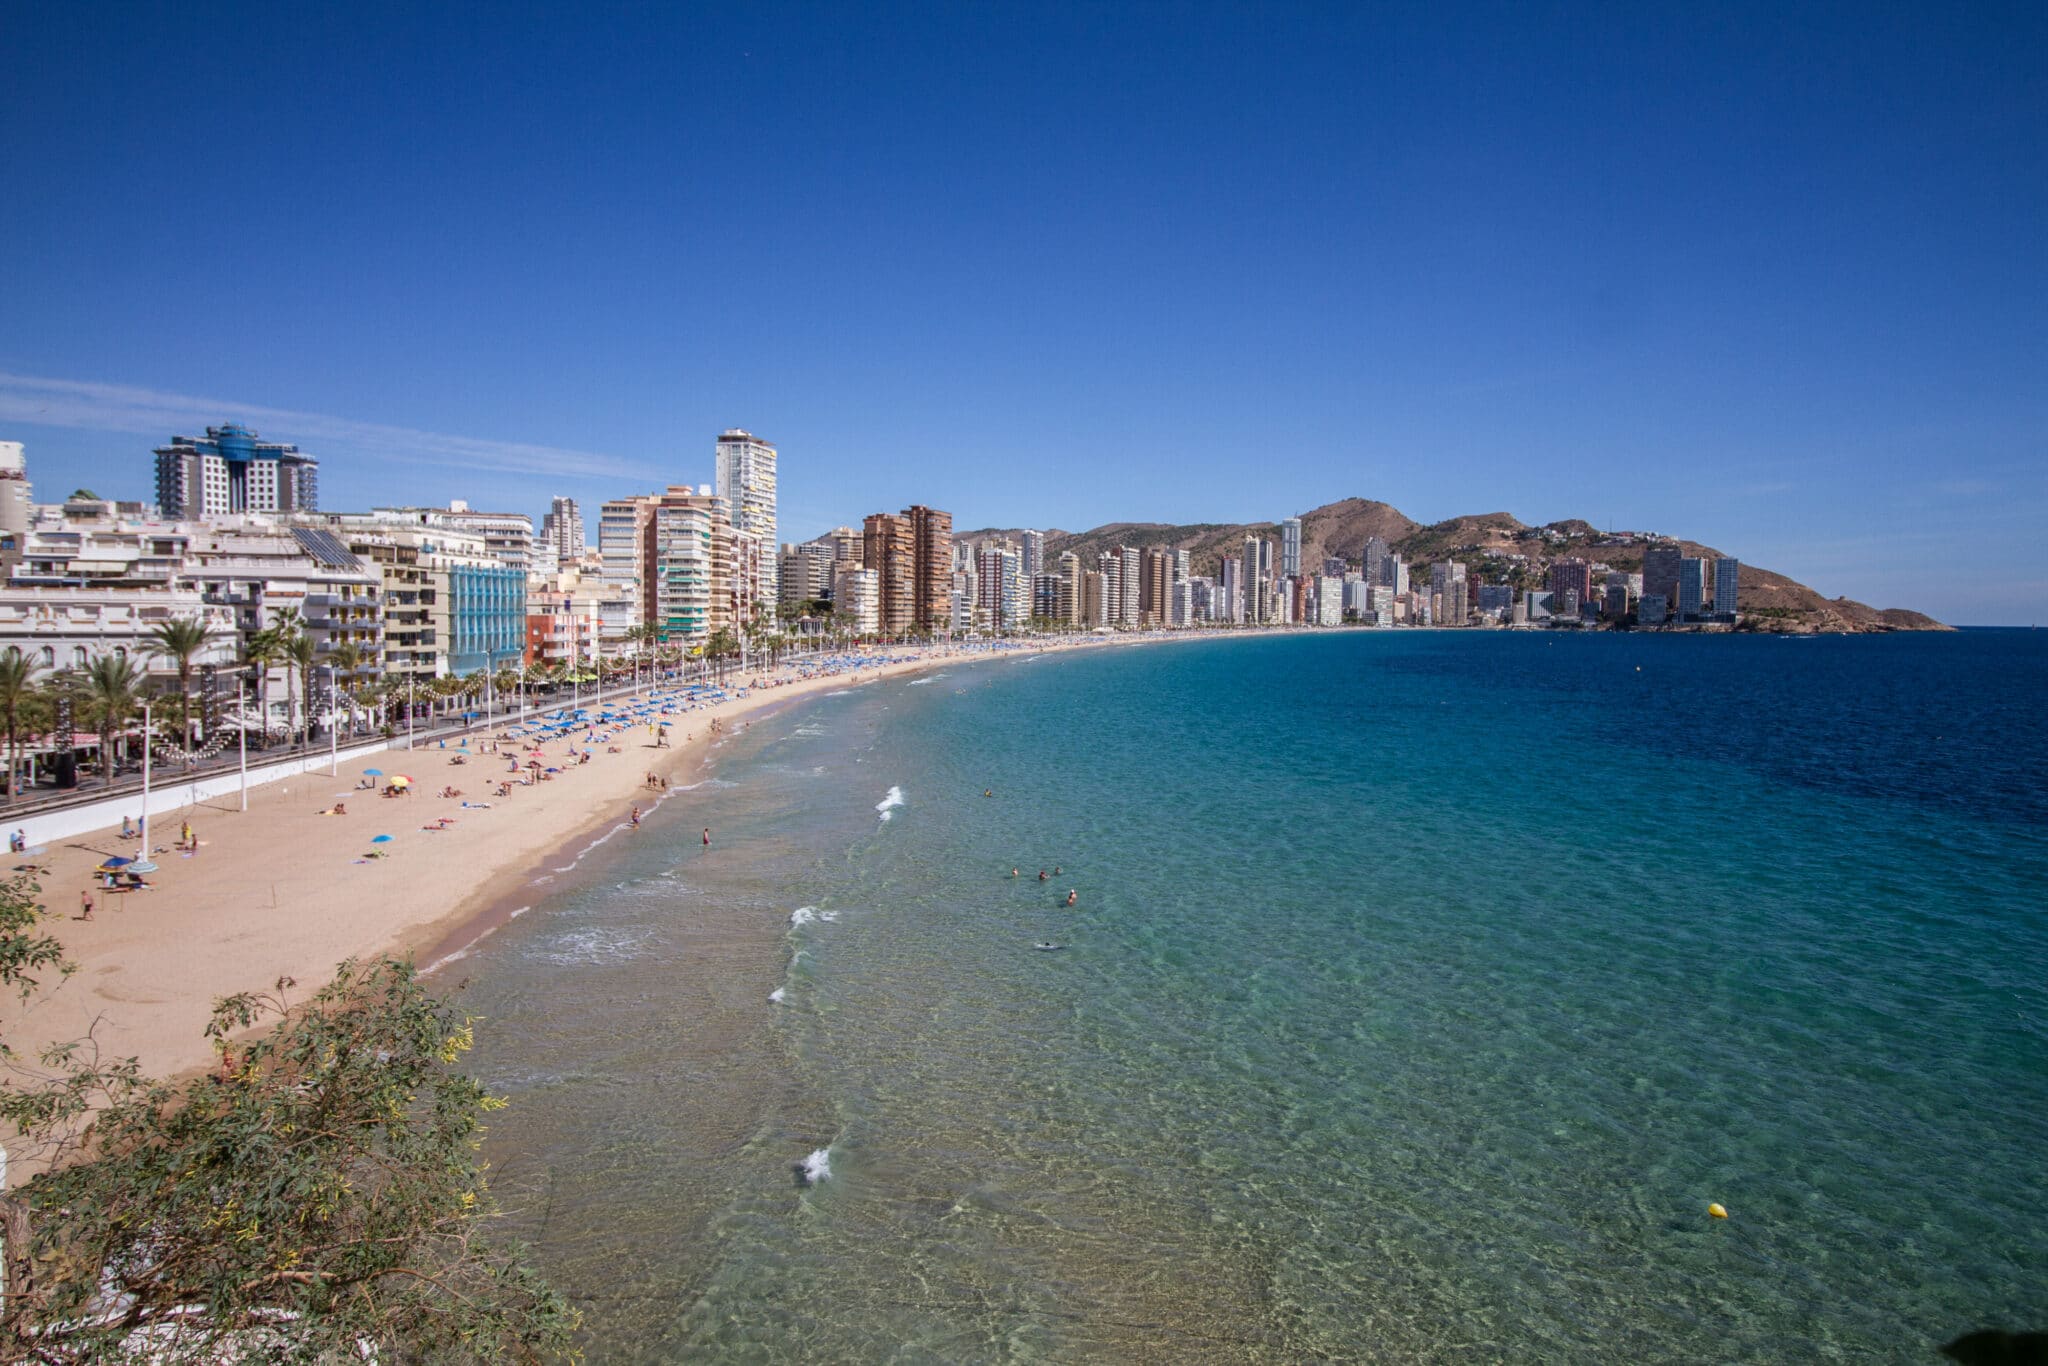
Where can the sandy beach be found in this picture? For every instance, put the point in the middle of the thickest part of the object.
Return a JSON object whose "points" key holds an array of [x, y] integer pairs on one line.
{"points": [[288, 890]]}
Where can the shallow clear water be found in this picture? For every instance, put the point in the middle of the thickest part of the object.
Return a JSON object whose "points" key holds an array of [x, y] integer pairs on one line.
{"points": [[1423, 990]]}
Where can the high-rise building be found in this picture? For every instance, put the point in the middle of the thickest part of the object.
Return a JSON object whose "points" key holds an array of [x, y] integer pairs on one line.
{"points": [[1002, 597], [1155, 582], [230, 471], [806, 571], [623, 526], [1660, 572], [562, 528], [1109, 564], [1094, 598], [1727, 573], [912, 555], [1329, 601], [746, 481], [687, 555], [1692, 588], [857, 603], [1254, 585], [1374, 558], [1290, 548], [14, 506], [1070, 588], [1571, 575], [1034, 553]]}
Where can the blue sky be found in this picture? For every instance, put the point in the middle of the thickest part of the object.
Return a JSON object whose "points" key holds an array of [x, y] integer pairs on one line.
{"points": [[1772, 277]]}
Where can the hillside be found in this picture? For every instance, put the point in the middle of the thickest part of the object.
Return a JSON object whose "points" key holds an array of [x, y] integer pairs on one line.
{"points": [[1496, 546]]}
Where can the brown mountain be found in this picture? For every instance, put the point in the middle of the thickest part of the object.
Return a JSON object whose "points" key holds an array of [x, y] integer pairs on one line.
{"points": [[1496, 546]]}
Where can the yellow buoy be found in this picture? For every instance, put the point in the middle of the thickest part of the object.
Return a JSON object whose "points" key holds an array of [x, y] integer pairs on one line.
{"points": [[1717, 1211]]}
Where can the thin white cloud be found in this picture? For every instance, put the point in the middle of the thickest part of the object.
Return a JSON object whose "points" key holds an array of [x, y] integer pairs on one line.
{"points": [[122, 408]]}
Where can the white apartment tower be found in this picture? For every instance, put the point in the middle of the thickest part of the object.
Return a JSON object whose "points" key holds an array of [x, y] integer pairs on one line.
{"points": [[1034, 553], [563, 529], [746, 481], [14, 493]]}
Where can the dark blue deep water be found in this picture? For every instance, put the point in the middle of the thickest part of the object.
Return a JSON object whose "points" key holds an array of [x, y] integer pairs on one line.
{"points": [[1423, 991]]}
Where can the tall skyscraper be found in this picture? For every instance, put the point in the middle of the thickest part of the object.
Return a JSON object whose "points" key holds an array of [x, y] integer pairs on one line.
{"points": [[1254, 585], [1290, 547], [562, 528], [1571, 575], [1727, 572], [1692, 587], [912, 555], [231, 471], [14, 493], [1034, 553], [746, 481], [1660, 572], [1155, 579], [1374, 558]]}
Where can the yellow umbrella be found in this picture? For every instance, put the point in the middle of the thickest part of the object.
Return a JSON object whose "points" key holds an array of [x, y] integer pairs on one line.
{"points": [[401, 781]]}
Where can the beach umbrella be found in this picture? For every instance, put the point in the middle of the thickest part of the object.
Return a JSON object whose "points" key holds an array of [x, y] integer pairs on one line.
{"points": [[380, 839], [116, 861], [401, 781], [373, 772], [142, 865]]}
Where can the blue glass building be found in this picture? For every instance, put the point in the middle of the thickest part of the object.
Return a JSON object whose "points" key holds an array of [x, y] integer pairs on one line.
{"points": [[486, 618]]}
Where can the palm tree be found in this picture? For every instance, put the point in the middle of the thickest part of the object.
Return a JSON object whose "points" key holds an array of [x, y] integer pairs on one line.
{"points": [[300, 652], [17, 683], [113, 684], [179, 641], [261, 652], [348, 658]]}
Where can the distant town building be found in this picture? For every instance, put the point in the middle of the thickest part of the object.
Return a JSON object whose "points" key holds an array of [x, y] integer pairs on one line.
{"points": [[1652, 610], [230, 470], [1290, 548]]}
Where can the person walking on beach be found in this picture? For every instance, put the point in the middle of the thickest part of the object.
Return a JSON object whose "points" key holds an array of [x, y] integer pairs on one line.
{"points": [[707, 837], [636, 818], [85, 904]]}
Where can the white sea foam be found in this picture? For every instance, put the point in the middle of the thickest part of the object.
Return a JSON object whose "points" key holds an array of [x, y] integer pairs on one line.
{"points": [[470, 947], [817, 1166], [841, 692], [918, 682], [803, 915], [592, 947], [887, 805], [776, 996]]}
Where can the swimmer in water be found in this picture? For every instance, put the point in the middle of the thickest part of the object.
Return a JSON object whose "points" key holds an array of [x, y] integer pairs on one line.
{"points": [[1072, 896], [1013, 872], [1057, 870], [1042, 875], [988, 792]]}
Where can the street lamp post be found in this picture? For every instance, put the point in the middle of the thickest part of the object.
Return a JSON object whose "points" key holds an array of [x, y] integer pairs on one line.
{"points": [[333, 729], [242, 734]]}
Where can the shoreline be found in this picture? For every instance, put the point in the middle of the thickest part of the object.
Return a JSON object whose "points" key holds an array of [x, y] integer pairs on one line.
{"points": [[287, 891]]}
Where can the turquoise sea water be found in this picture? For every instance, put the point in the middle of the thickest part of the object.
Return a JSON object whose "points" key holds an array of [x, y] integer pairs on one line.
{"points": [[1423, 990]]}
